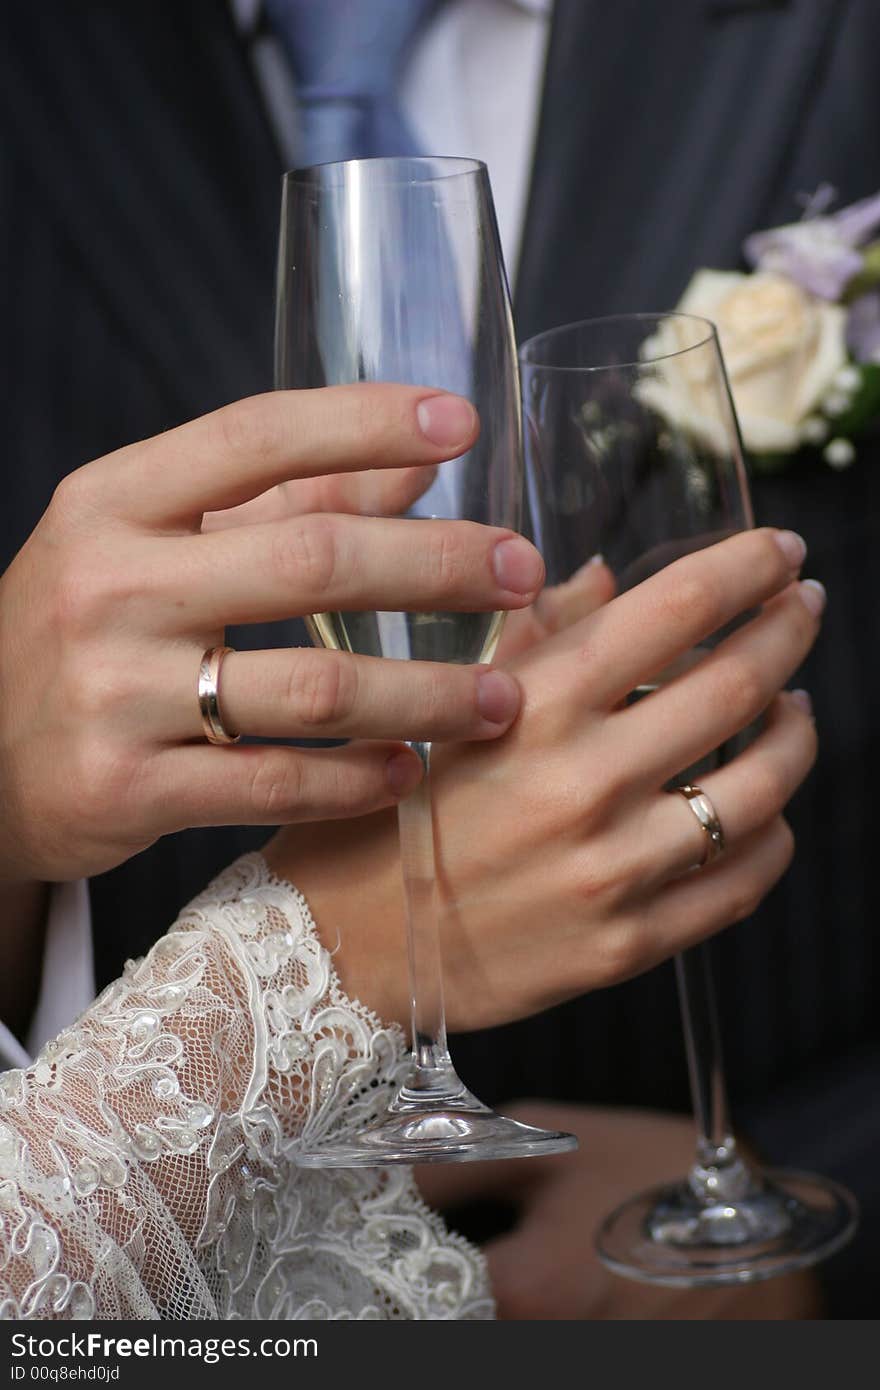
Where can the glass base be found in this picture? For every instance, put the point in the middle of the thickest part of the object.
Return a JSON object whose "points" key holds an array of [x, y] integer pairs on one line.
{"points": [[783, 1221], [437, 1129]]}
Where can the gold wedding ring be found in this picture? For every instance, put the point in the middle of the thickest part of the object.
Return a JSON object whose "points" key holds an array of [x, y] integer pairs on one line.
{"points": [[209, 696], [706, 814]]}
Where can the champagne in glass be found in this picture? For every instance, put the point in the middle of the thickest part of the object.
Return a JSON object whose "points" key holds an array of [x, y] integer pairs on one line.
{"points": [[391, 270], [463, 638]]}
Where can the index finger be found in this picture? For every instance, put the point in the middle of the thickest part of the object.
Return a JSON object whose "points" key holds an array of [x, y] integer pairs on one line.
{"points": [[226, 458], [643, 631]]}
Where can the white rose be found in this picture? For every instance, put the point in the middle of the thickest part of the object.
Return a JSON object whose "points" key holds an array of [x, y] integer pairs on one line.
{"points": [[782, 348]]}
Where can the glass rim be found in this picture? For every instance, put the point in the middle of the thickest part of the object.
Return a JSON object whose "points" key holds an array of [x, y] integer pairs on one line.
{"points": [[711, 336], [464, 166]]}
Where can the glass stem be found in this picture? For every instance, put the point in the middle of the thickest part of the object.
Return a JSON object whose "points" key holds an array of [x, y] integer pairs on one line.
{"points": [[432, 1071], [718, 1172]]}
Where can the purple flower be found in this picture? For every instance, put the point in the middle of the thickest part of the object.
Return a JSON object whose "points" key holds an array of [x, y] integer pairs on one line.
{"points": [[863, 328], [857, 223], [819, 253]]}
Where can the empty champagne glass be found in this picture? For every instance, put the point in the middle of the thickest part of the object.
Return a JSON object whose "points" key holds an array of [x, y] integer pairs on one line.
{"points": [[633, 451], [391, 270]]}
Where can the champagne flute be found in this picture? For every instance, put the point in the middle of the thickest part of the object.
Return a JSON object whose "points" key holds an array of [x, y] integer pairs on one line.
{"points": [[391, 270], [633, 451]]}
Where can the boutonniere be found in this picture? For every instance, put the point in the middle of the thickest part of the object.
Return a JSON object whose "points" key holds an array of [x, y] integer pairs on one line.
{"points": [[800, 333]]}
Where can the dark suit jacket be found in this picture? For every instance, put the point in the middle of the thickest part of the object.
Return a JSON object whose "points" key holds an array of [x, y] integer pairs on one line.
{"points": [[139, 189]]}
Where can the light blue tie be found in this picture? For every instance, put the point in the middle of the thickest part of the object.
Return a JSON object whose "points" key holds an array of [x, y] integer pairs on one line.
{"points": [[346, 56]]}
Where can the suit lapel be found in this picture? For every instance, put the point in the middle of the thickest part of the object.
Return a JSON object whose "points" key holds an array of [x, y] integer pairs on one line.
{"points": [[125, 119], [674, 125]]}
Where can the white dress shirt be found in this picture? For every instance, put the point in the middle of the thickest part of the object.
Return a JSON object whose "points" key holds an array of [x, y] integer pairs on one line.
{"points": [[472, 87]]}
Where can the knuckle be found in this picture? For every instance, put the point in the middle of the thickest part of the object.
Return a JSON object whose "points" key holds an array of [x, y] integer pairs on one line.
{"points": [[89, 590], [80, 598], [99, 691], [107, 778], [448, 697], [740, 689], [306, 555], [353, 785], [694, 598], [617, 789], [276, 789], [608, 797], [74, 493], [446, 559], [251, 428], [322, 688], [621, 951], [590, 883], [442, 701]]}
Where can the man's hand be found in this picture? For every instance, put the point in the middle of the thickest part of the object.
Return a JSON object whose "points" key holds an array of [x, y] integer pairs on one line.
{"points": [[107, 609], [546, 1268]]}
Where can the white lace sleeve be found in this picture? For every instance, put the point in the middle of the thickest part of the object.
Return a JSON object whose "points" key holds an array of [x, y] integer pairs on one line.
{"points": [[148, 1157]]}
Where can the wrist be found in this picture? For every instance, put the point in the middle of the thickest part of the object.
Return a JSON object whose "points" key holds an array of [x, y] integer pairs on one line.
{"points": [[349, 873]]}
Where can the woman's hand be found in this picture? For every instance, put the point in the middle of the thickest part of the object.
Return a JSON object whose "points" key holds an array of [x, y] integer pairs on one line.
{"points": [[562, 862], [107, 609]]}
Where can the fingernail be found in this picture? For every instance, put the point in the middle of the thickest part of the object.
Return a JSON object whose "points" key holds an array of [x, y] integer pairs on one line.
{"points": [[498, 697], [404, 773], [814, 596], [802, 700], [593, 563], [446, 421], [518, 566], [793, 547]]}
